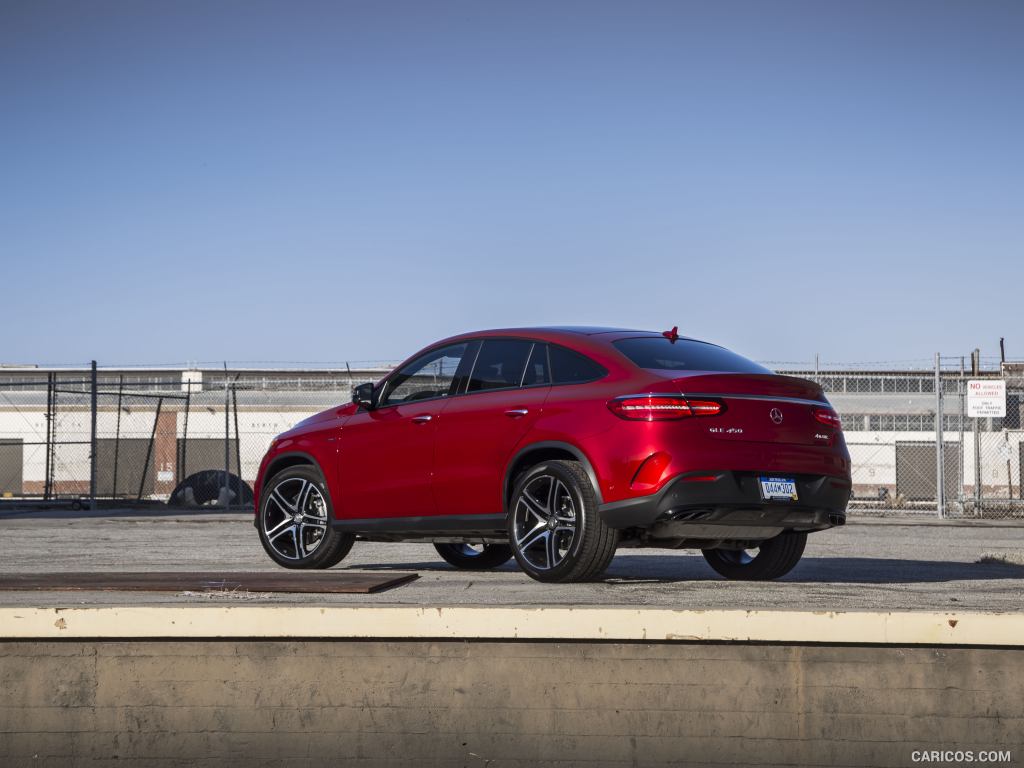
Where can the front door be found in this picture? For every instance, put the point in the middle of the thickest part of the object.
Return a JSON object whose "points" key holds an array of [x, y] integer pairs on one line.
{"points": [[386, 454]]}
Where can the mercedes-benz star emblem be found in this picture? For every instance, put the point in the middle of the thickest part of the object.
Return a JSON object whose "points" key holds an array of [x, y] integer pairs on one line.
{"points": [[776, 415]]}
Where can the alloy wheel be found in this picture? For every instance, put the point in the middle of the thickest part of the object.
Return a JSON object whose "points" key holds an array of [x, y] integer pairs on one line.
{"points": [[545, 522], [469, 550], [740, 556], [295, 518]]}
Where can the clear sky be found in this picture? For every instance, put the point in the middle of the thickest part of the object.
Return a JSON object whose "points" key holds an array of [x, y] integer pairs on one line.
{"points": [[305, 181]]}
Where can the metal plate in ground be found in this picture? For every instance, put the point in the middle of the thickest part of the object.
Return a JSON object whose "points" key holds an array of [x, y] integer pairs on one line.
{"points": [[329, 583]]}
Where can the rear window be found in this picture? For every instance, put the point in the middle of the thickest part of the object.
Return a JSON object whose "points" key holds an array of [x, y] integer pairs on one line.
{"points": [[684, 355]]}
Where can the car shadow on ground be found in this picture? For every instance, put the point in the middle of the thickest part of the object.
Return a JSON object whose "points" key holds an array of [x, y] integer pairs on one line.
{"points": [[824, 570], [632, 569]]}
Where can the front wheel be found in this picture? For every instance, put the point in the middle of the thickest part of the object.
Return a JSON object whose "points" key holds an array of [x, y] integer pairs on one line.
{"points": [[770, 560], [554, 528], [475, 557], [294, 521]]}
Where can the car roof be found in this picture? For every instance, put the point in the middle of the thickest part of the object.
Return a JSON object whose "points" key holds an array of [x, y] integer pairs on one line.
{"points": [[566, 333]]}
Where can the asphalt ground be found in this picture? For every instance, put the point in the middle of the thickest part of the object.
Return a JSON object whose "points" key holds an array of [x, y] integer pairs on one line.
{"points": [[866, 565]]}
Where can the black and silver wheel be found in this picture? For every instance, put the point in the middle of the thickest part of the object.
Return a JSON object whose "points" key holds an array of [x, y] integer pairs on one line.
{"points": [[475, 557], [554, 528], [770, 560], [294, 521]]}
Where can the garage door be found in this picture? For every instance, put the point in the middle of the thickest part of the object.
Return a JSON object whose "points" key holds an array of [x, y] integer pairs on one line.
{"points": [[12, 463], [131, 462], [915, 470]]}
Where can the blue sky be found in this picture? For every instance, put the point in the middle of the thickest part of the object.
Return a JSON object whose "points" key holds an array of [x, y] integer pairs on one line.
{"points": [[304, 181]]}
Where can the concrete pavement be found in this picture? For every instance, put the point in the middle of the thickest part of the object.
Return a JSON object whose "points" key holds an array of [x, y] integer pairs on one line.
{"points": [[863, 566]]}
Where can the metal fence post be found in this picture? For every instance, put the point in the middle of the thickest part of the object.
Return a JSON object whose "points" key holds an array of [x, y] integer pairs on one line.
{"points": [[227, 440], [181, 465], [940, 486], [960, 387], [117, 433], [976, 369], [93, 458], [238, 437], [149, 448], [48, 479]]}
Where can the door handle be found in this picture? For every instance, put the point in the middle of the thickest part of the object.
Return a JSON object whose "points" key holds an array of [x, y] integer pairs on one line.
{"points": [[422, 418], [515, 413]]}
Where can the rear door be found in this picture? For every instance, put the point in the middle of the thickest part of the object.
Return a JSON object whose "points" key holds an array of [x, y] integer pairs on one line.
{"points": [[477, 432]]}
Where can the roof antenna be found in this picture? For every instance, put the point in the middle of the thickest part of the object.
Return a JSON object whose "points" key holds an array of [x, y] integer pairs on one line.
{"points": [[672, 335]]}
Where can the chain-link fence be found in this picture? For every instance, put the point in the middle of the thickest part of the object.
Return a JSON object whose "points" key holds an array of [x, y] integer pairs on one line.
{"points": [[917, 450], [190, 438], [196, 437]]}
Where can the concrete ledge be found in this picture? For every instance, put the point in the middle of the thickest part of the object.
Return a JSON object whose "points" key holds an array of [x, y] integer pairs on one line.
{"points": [[550, 623]]}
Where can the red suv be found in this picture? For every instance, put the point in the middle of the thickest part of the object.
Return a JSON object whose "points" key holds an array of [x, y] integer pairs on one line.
{"points": [[556, 446]]}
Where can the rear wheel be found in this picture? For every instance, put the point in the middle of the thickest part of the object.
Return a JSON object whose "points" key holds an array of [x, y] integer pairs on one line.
{"points": [[475, 557], [294, 521], [554, 528], [772, 559]]}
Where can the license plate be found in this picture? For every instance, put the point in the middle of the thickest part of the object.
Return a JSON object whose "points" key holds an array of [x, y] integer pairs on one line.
{"points": [[778, 488]]}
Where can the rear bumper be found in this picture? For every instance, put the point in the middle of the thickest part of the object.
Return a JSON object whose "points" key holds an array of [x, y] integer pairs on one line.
{"points": [[733, 499]]}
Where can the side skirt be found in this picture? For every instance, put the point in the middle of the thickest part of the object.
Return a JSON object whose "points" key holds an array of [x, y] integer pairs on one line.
{"points": [[451, 528]]}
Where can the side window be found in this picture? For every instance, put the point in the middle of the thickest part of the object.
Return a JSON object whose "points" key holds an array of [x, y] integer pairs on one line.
{"points": [[425, 377], [499, 365], [568, 367], [537, 366]]}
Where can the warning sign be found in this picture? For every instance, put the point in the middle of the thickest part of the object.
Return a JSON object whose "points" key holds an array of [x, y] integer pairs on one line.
{"points": [[986, 398]]}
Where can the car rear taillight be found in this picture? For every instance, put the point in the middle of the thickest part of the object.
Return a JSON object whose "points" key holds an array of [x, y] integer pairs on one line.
{"points": [[662, 407], [828, 417]]}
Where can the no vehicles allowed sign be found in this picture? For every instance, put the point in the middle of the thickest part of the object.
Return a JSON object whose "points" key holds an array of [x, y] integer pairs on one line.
{"points": [[986, 398]]}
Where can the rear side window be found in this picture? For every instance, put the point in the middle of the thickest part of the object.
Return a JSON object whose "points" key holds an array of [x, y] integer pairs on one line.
{"points": [[499, 365], [685, 355], [568, 367]]}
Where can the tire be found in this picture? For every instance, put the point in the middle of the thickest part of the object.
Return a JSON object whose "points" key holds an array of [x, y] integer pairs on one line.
{"points": [[206, 488], [554, 508], [309, 541], [469, 558], [774, 558]]}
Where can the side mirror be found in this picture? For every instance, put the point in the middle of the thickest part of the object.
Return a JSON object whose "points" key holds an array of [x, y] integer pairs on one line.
{"points": [[363, 396]]}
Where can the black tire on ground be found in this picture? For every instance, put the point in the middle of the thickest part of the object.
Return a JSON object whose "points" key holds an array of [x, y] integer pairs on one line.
{"points": [[772, 559], [475, 557], [206, 488], [294, 521], [555, 531]]}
